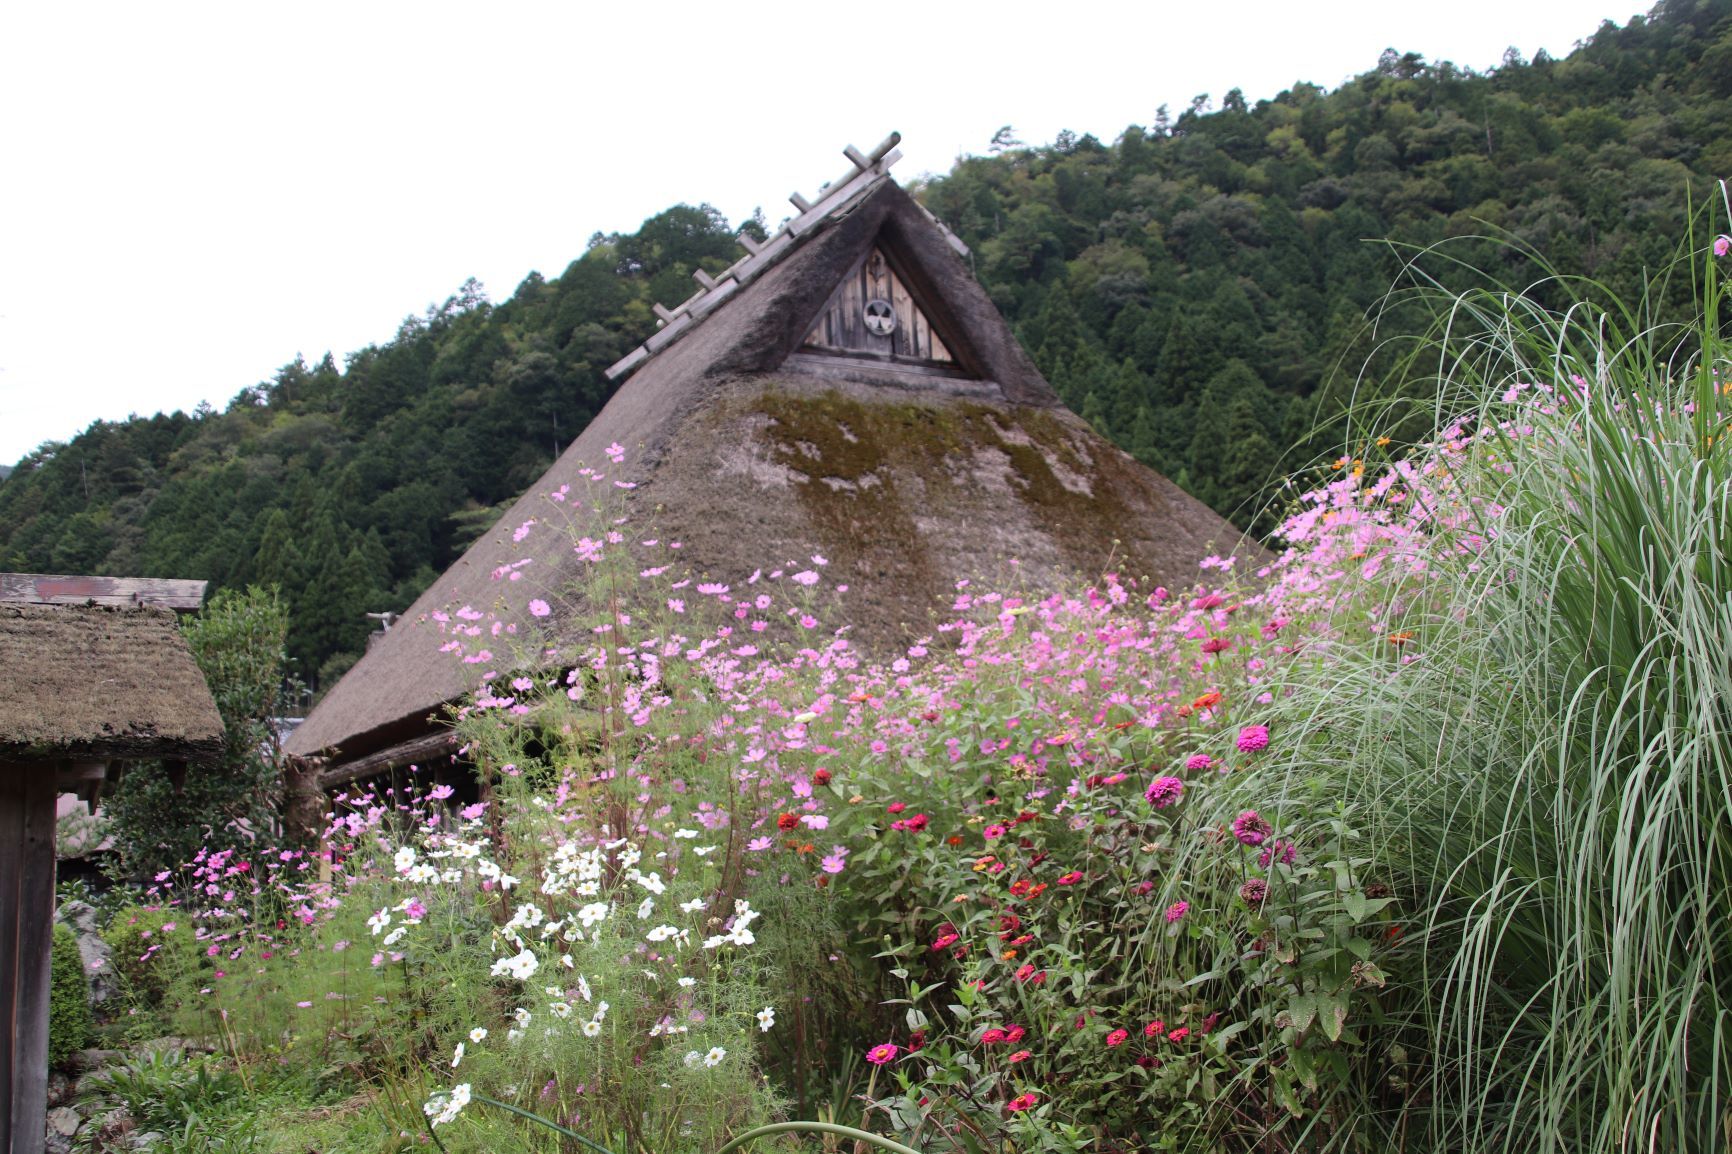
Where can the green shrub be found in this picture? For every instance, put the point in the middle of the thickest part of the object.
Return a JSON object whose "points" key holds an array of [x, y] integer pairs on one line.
{"points": [[68, 1000], [152, 948]]}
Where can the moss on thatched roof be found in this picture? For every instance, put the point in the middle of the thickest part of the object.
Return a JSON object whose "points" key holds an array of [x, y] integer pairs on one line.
{"points": [[101, 683]]}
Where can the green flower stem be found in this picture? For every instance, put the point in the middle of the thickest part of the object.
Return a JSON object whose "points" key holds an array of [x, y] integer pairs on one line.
{"points": [[549, 1123], [820, 1127]]}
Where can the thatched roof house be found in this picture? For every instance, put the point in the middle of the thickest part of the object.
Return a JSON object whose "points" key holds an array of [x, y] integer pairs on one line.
{"points": [[848, 388], [81, 686], [100, 683]]}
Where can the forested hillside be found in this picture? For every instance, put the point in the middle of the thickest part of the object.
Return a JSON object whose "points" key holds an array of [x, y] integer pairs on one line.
{"points": [[1198, 288]]}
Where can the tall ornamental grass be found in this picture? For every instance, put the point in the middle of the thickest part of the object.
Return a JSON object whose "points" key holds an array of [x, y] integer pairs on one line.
{"points": [[1541, 736]]}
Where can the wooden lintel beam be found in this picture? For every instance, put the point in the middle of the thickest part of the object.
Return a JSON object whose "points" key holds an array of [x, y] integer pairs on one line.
{"points": [[121, 592]]}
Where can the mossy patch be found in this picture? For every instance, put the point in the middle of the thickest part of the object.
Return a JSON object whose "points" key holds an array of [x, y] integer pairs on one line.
{"points": [[869, 469]]}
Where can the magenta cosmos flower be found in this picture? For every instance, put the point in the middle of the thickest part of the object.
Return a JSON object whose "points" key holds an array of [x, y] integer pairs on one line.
{"points": [[1253, 737], [1164, 792]]}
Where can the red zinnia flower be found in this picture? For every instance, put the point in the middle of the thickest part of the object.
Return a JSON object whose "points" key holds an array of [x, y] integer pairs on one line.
{"points": [[821, 777], [1070, 879], [1021, 1102], [918, 822], [1154, 1029], [787, 822], [1020, 1056], [1179, 1035], [992, 1036], [1117, 1036]]}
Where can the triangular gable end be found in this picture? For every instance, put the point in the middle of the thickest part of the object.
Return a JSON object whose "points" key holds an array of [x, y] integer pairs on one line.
{"points": [[875, 314]]}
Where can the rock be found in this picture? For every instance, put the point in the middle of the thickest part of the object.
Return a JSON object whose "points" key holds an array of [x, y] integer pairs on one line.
{"points": [[64, 1120], [60, 1088], [98, 959], [90, 1061], [144, 1139], [56, 1144]]}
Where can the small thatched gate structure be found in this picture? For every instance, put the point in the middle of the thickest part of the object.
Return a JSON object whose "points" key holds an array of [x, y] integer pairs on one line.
{"points": [[83, 687]]}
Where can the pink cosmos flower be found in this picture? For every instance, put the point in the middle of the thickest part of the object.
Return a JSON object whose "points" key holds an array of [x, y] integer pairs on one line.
{"points": [[1722, 245], [539, 608]]}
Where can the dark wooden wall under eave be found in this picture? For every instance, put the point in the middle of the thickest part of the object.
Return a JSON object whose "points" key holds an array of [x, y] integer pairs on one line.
{"points": [[27, 795]]}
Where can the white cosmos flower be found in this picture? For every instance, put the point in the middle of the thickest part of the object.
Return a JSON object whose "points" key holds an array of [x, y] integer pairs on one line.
{"points": [[395, 935], [458, 1056], [444, 1107], [704, 850], [715, 1056], [686, 833], [561, 1010], [582, 987], [521, 966], [692, 906], [477, 1034], [403, 859], [766, 1018], [591, 1029], [379, 921], [600, 1011], [688, 983], [646, 908], [421, 873], [522, 1015], [592, 913], [662, 933]]}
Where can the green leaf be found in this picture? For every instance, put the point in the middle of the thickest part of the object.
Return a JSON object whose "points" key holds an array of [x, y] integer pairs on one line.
{"points": [[1359, 907], [1332, 1013]]}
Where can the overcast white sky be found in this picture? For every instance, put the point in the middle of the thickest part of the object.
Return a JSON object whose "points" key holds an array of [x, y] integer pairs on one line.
{"points": [[191, 194]]}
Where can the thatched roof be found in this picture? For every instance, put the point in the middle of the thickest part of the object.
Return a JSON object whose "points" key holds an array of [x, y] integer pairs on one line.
{"points": [[100, 683], [750, 452]]}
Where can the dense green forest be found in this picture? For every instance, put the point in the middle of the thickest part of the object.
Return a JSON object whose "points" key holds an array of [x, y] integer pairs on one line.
{"points": [[1200, 289]]}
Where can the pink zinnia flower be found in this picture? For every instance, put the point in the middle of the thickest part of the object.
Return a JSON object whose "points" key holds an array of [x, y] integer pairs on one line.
{"points": [[1154, 1029], [882, 1054], [1179, 1035], [1251, 828], [1021, 1102], [1070, 879], [1178, 910], [1253, 737], [992, 1037], [1284, 852], [1254, 891], [1117, 1036], [1164, 792], [1198, 762], [943, 941]]}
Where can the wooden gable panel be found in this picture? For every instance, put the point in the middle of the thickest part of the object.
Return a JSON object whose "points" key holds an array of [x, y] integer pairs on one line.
{"points": [[855, 318]]}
